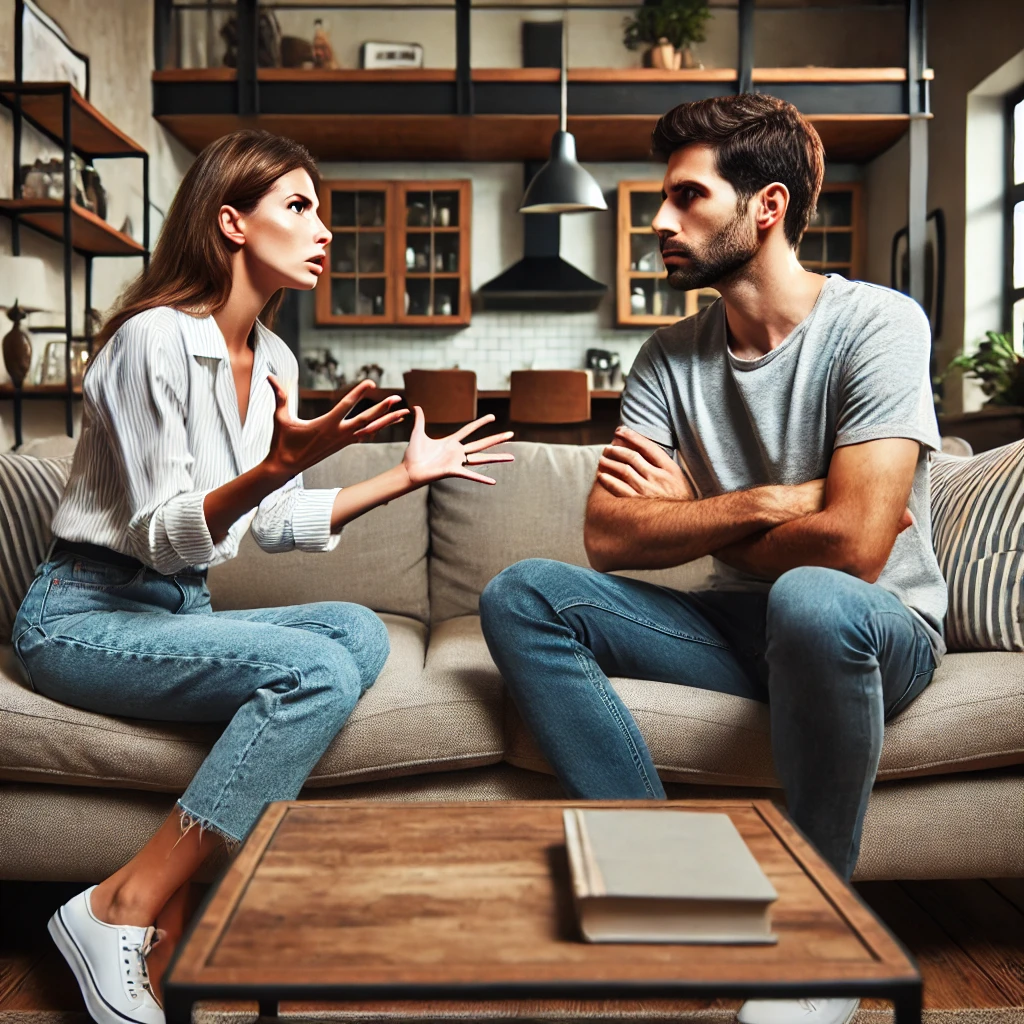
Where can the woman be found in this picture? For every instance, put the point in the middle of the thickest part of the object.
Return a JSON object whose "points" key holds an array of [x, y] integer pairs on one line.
{"points": [[190, 438]]}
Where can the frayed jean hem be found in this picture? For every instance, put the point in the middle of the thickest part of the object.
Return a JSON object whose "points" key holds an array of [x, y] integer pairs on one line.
{"points": [[189, 821]]}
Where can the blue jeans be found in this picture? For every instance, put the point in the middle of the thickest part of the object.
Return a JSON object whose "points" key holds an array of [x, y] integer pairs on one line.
{"points": [[138, 644], [832, 655]]}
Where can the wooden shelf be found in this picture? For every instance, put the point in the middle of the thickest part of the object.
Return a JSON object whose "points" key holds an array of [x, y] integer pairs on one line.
{"points": [[91, 133], [414, 118], [420, 75], [90, 234], [37, 391], [847, 138]]}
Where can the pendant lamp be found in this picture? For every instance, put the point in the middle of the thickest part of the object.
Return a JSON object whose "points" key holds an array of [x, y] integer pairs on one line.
{"points": [[561, 185]]}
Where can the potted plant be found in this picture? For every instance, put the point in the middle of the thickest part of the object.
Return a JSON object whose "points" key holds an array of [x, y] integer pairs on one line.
{"points": [[999, 368], [667, 28]]}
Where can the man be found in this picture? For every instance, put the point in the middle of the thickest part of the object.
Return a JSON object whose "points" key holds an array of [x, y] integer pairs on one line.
{"points": [[799, 409]]}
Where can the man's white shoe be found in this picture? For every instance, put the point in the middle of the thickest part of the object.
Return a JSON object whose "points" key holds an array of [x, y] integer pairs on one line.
{"points": [[109, 961], [797, 1011]]}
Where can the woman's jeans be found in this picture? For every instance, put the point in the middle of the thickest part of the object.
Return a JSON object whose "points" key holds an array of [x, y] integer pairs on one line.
{"points": [[138, 644], [832, 655]]}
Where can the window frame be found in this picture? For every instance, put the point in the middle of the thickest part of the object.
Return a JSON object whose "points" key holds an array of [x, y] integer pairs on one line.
{"points": [[1014, 195]]}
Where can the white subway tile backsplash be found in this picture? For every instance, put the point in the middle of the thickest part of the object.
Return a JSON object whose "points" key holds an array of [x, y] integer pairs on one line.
{"points": [[493, 345]]}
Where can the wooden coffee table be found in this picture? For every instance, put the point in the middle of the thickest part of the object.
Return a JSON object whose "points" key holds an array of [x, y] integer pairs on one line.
{"points": [[413, 903]]}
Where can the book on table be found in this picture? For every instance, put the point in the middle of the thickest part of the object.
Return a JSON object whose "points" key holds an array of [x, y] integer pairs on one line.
{"points": [[665, 876]]}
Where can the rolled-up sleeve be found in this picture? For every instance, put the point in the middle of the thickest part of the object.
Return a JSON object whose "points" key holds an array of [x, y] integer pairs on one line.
{"points": [[142, 398], [293, 518]]}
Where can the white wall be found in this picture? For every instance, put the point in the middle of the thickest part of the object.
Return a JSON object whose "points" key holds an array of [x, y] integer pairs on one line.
{"points": [[119, 42], [852, 36]]}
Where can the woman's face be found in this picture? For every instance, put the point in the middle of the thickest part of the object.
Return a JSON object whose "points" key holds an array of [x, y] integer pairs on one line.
{"points": [[284, 238]]}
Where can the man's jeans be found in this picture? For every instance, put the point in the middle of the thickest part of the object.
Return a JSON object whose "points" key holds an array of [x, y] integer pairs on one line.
{"points": [[832, 655], [138, 644]]}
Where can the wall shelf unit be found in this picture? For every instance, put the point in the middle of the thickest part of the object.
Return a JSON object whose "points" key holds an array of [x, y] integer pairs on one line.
{"points": [[68, 119], [388, 115]]}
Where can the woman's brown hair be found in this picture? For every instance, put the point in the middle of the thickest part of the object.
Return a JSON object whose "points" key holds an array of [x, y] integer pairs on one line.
{"points": [[191, 265], [757, 139]]}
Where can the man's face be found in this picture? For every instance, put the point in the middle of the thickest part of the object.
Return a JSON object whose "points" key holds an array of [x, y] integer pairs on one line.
{"points": [[704, 238]]}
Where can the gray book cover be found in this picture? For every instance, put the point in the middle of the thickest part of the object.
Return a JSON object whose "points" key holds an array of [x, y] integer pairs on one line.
{"points": [[665, 854]]}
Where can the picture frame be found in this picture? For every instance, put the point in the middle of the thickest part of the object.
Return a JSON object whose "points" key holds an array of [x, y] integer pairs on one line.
{"points": [[390, 55], [934, 267], [44, 53]]}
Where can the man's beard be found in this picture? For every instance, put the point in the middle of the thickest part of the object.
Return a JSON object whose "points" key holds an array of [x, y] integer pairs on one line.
{"points": [[732, 248]]}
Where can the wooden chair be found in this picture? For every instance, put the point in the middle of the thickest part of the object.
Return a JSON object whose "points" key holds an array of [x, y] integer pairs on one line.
{"points": [[447, 397], [545, 401]]}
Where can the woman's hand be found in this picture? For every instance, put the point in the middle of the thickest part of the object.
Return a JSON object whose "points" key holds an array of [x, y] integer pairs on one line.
{"points": [[633, 466], [428, 459], [298, 444]]}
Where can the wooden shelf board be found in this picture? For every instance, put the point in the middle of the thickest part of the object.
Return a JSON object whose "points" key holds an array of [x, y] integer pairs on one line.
{"points": [[39, 391], [89, 233], [766, 75], [355, 137], [91, 132], [835, 229]]}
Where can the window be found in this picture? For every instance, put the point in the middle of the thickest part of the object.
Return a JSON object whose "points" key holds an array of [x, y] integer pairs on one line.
{"points": [[1015, 216]]}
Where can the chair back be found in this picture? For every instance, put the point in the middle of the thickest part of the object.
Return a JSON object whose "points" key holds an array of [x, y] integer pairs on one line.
{"points": [[446, 396], [550, 396]]}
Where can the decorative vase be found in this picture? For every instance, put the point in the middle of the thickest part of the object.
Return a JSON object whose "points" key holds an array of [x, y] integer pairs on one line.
{"points": [[663, 55], [17, 348]]}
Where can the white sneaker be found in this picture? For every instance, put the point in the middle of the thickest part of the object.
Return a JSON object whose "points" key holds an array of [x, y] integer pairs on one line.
{"points": [[109, 961], [797, 1011]]}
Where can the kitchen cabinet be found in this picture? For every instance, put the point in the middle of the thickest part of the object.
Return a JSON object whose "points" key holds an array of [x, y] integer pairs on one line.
{"points": [[833, 243], [643, 296], [399, 255], [834, 240]]}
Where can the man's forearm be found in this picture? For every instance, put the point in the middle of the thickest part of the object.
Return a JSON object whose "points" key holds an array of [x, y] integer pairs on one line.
{"points": [[819, 539], [655, 533]]}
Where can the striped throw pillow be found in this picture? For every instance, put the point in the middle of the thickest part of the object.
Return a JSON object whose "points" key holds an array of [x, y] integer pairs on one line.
{"points": [[978, 534], [30, 490]]}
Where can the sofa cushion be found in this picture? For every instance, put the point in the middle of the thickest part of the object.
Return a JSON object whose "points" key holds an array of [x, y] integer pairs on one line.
{"points": [[536, 510], [30, 490], [409, 720], [380, 562], [971, 716], [978, 531]]}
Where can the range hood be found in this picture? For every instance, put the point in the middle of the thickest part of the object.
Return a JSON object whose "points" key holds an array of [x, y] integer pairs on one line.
{"points": [[541, 280]]}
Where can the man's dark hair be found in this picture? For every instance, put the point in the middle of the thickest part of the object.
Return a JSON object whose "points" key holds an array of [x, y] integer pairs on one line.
{"points": [[757, 139]]}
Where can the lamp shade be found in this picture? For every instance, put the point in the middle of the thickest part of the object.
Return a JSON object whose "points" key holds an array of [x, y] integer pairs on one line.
{"points": [[561, 185], [23, 278]]}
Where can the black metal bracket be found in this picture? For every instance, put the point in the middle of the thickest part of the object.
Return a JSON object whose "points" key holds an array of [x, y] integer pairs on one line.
{"points": [[463, 69], [248, 58], [745, 57]]}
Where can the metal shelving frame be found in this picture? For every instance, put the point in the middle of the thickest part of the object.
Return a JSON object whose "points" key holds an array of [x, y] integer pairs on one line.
{"points": [[247, 96], [65, 141]]}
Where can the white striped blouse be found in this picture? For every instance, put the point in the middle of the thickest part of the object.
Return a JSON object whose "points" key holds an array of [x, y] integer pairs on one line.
{"points": [[161, 429]]}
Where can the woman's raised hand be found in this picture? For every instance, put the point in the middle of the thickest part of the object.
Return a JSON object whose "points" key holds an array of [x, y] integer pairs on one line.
{"points": [[298, 444], [428, 459]]}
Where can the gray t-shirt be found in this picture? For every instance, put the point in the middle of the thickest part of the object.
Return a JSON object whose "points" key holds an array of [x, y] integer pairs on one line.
{"points": [[855, 369]]}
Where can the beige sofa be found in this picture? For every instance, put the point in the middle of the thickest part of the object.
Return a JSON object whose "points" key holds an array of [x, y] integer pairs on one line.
{"points": [[80, 791]]}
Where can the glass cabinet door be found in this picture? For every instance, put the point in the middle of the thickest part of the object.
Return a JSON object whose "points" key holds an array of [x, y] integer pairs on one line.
{"points": [[358, 254], [432, 253], [645, 298], [828, 243]]}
